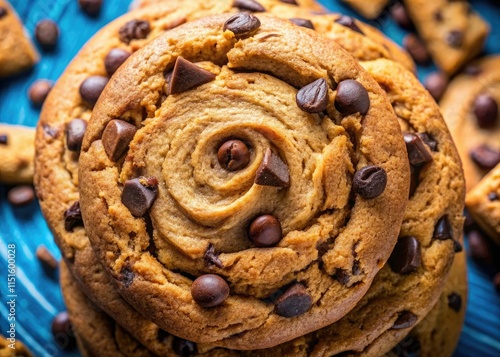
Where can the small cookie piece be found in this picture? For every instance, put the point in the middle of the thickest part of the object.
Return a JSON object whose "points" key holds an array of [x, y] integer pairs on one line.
{"points": [[17, 150], [17, 53], [369, 9], [452, 32], [13, 349], [483, 203], [470, 107]]}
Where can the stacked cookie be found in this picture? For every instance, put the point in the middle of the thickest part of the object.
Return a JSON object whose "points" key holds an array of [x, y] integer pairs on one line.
{"points": [[247, 184]]}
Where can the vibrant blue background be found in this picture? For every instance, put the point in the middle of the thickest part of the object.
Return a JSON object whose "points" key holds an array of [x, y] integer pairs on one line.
{"points": [[39, 298]]}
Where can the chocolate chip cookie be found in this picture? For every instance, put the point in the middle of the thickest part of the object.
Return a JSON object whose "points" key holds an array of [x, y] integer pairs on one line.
{"points": [[17, 53], [17, 149], [470, 107]]}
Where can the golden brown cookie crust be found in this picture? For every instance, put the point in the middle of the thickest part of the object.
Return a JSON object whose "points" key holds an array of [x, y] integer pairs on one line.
{"points": [[17, 164]]}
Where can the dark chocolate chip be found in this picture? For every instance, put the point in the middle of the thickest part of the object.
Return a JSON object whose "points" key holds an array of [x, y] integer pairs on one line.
{"points": [[405, 319], [472, 70], [62, 330], [416, 48], [370, 181], [294, 302], [90, 7], [127, 276], [438, 16], [75, 130], [242, 24], [47, 34], [303, 23], [272, 171], [493, 196], [429, 140], [38, 91], [114, 59], [406, 256], [209, 290], [21, 195], [249, 5], [50, 130], [455, 301], [211, 257], [73, 217], [46, 257], [184, 348], [414, 179], [265, 231], [3, 12], [91, 88], [457, 247], [162, 335], [409, 347], [417, 151], [485, 157], [486, 111], [443, 229], [4, 139], [291, 2], [436, 84], [496, 282], [342, 276], [400, 15], [134, 30], [349, 22], [139, 194], [352, 98], [479, 249], [233, 155], [455, 38], [313, 98], [116, 137], [187, 75]]}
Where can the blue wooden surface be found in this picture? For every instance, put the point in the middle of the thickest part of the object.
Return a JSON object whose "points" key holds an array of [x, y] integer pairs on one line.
{"points": [[38, 295]]}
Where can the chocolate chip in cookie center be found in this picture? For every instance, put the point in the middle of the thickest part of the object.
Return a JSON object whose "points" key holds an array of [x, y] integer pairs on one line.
{"points": [[183, 347], [233, 155], [405, 319], [265, 231], [486, 111], [485, 156], [211, 257], [249, 5], [242, 24], [209, 290], [75, 130], [455, 301], [134, 30], [272, 171], [429, 141], [443, 229], [114, 59], [417, 151], [493, 196], [73, 217], [352, 98], [406, 256], [455, 38], [313, 98], [139, 194], [370, 181], [303, 23], [116, 137], [187, 75], [409, 347], [91, 89], [295, 301], [3, 12], [349, 22], [4, 139]]}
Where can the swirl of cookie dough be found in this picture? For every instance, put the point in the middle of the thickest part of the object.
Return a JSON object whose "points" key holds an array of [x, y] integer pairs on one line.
{"points": [[174, 249]]}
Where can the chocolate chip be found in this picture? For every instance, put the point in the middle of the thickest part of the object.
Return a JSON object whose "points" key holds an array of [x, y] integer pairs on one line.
{"points": [[438, 16], [272, 171], [349, 22], [429, 140], [313, 98], [455, 302], [75, 130], [211, 257], [485, 157], [127, 276], [455, 38], [472, 70], [62, 330], [114, 59], [342, 276], [139, 194], [405, 319], [406, 256], [90, 7], [493, 196], [187, 75], [47, 34], [242, 24], [291, 2], [370, 181], [249, 5], [416, 48], [4, 139], [443, 229], [414, 179], [233, 155], [21, 195], [496, 281], [401, 17], [46, 258], [303, 23], [91, 88], [3, 12], [184, 348], [436, 84], [209, 290], [417, 151], [73, 217], [294, 302], [134, 30], [50, 130], [265, 231], [409, 347], [457, 247], [38, 91], [486, 111], [479, 249], [116, 137], [352, 98]]}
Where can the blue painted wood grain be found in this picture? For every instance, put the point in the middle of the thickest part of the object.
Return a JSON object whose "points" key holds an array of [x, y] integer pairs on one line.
{"points": [[39, 298]]}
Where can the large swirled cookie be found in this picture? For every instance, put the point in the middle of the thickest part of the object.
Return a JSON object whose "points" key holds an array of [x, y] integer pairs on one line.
{"points": [[241, 192]]}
